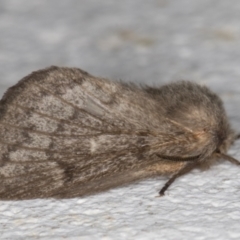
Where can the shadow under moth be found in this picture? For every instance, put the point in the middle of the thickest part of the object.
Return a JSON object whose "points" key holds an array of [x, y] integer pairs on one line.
{"points": [[65, 133]]}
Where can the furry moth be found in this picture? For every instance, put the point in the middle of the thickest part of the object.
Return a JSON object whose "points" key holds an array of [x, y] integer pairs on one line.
{"points": [[65, 133]]}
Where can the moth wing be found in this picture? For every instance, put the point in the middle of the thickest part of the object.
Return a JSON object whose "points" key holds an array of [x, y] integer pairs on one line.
{"points": [[61, 127]]}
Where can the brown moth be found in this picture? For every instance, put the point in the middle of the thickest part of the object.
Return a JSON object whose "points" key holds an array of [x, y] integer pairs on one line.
{"points": [[65, 133]]}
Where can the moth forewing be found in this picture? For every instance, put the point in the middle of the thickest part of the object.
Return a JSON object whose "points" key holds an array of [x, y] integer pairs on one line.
{"points": [[65, 133]]}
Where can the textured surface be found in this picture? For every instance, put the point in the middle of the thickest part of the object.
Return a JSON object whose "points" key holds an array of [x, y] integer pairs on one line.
{"points": [[150, 42]]}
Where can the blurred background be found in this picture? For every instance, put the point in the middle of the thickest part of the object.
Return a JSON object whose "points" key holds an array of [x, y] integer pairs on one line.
{"points": [[133, 40], [151, 42]]}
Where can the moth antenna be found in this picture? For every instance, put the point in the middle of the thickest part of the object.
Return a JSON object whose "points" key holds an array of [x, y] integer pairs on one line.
{"points": [[187, 168], [179, 159], [179, 125], [229, 158]]}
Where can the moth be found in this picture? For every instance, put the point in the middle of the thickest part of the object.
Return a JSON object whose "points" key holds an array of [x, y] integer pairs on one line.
{"points": [[65, 133]]}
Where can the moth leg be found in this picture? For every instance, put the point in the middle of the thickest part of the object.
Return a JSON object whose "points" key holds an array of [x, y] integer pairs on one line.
{"points": [[229, 158], [187, 168], [237, 136]]}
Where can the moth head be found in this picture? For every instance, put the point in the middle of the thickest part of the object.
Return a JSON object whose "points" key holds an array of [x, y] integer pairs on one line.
{"points": [[223, 134], [225, 138], [224, 141]]}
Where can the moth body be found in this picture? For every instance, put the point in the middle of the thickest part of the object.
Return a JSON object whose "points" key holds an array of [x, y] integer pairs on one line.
{"points": [[65, 133]]}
